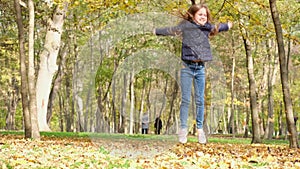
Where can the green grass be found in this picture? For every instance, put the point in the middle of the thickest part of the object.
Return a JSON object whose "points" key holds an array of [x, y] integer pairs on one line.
{"points": [[96, 135], [223, 139]]}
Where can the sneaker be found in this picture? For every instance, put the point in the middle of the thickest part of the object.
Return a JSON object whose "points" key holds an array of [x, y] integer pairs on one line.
{"points": [[201, 136], [182, 136]]}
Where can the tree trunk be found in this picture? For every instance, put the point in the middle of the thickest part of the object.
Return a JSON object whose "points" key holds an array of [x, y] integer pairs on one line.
{"points": [[114, 106], [131, 116], [11, 112], [57, 83], [172, 105], [123, 120], [163, 99], [12, 105], [23, 67], [284, 77], [101, 121], [252, 94], [79, 107], [280, 124], [261, 95], [31, 74], [69, 117], [247, 117], [273, 67], [48, 66], [231, 119], [142, 105], [61, 114]]}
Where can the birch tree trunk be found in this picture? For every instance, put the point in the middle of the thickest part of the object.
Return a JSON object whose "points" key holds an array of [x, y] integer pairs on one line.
{"points": [[284, 77], [48, 66]]}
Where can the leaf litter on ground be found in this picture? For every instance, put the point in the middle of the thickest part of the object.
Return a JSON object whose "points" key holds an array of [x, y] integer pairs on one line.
{"points": [[54, 152]]}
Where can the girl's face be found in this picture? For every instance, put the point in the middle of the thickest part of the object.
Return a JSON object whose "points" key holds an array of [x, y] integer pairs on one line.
{"points": [[200, 16]]}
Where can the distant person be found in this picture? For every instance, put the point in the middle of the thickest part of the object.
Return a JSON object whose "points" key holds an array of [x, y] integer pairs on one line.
{"points": [[145, 123], [158, 125]]}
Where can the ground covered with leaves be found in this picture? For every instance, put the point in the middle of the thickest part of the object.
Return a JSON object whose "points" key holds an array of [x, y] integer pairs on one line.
{"points": [[130, 152]]}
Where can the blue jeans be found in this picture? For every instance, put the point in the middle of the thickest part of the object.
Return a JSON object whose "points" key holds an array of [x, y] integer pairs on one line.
{"points": [[190, 72]]}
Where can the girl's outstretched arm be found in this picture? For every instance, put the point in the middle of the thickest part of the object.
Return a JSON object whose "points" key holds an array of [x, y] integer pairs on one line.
{"points": [[168, 31], [225, 26]]}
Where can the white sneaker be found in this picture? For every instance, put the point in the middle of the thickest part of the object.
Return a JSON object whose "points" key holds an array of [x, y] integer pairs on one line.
{"points": [[182, 136], [201, 136]]}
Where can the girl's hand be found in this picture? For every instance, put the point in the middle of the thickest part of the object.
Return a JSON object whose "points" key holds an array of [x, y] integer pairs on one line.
{"points": [[230, 24]]}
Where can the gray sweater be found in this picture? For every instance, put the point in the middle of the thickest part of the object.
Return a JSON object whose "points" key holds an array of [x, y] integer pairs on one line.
{"points": [[195, 39]]}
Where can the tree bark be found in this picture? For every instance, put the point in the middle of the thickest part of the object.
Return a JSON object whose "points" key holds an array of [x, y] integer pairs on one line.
{"points": [[284, 77], [280, 123], [23, 70], [123, 120], [232, 91], [61, 114], [247, 117], [131, 116], [48, 66], [261, 94], [57, 83], [252, 94], [12, 105], [31, 74], [172, 113], [11, 112], [114, 101], [273, 67], [142, 105], [68, 114]]}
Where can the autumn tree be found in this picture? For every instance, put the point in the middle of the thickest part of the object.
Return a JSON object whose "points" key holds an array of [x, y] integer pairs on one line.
{"points": [[48, 66], [27, 73], [284, 77], [31, 72]]}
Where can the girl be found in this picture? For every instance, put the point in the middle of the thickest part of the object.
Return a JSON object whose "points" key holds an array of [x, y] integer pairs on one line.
{"points": [[195, 29]]}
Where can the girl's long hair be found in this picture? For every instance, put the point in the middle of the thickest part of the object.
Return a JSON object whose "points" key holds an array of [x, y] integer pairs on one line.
{"points": [[189, 15]]}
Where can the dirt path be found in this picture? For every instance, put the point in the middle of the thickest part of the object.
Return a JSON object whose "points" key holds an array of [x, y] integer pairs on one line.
{"points": [[135, 148]]}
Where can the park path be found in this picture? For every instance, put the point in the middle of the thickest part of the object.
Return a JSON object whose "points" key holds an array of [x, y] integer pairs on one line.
{"points": [[135, 148]]}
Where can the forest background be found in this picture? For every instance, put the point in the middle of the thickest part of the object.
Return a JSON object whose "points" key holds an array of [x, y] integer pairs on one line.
{"points": [[95, 66]]}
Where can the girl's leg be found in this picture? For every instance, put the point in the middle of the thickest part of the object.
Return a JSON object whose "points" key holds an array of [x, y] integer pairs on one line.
{"points": [[186, 78], [199, 85]]}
